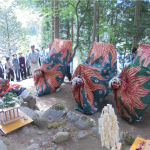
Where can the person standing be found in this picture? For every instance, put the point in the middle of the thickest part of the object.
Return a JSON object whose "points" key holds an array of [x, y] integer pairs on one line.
{"points": [[33, 57], [1, 70], [43, 54], [133, 55], [68, 72], [10, 72], [22, 66], [28, 66], [49, 46], [39, 56], [16, 66]]}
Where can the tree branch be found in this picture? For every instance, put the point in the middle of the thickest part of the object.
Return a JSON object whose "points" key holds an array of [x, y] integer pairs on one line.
{"points": [[88, 2]]}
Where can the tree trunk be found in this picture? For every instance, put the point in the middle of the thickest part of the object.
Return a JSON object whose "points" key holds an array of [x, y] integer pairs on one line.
{"points": [[136, 19], [125, 54], [56, 19], [8, 37], [79, 25], [94, 21], [98, 24], [112, 22], [52, 21], [72, 42], [68, 29]]}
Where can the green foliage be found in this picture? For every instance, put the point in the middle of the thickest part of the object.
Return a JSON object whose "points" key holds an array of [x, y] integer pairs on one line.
{"points": [[56, 125], [115, 24], [11, 30], [9, 101]]}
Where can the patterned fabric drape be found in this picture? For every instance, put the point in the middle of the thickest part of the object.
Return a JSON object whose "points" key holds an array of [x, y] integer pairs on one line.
{"points": [[133, 97], [53, 68], [99, 68]]}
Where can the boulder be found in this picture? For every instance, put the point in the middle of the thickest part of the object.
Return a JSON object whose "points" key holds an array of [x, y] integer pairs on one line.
{"points": [[28, 97], [40, 121], [95, 131], [84, 123], [81, 135], [25, 130], [25, 104], [56, 111], [36, 108], [61, 137], [126, 139], [29, 112], [50, 119], [38, 112], [72, 117]]}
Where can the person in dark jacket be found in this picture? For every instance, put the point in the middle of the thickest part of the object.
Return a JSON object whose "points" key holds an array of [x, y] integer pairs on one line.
{"points": [[133, 55], [16, 66], [9, 66], [22, 66], [1, 70]]}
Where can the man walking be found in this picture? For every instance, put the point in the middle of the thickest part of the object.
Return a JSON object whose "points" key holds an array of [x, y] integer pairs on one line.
{"points": [[33, 57]]}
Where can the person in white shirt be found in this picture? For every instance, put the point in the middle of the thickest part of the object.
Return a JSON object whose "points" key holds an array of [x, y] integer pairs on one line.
{"points": [[33, 57]]}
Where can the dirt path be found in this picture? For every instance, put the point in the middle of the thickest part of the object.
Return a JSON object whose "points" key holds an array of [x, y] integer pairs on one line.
{"points": [[19, 141]]}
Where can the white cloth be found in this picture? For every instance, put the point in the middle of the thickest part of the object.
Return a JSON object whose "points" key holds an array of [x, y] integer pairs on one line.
{"points": [[34, 67]]}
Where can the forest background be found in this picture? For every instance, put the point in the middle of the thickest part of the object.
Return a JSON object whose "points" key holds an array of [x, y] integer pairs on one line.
{"points": [[123, 23]]}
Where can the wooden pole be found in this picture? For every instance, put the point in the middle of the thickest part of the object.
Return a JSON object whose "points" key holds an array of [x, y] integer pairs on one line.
{"points": [[10, 114], [6, 115], [14, 113]]}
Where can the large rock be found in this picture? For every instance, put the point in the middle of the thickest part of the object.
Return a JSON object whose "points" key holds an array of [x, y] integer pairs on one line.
{"points": [[84, 123], [126, 139], [25, 130], [81, 135], [28, 111], [28, 97], [50, 119], [40, 121], [2, 145], [61, 136], [95, 131], [56, 111], [72, 117]]}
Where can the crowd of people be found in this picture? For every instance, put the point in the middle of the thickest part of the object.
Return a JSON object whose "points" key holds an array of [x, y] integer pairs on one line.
{"points": [[20, 67]]}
